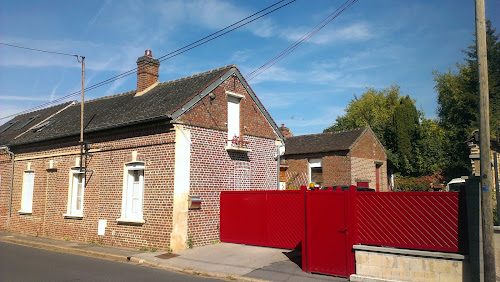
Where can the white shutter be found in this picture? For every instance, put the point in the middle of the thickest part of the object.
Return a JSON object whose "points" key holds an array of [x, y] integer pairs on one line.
{"points": [[27, 197]]}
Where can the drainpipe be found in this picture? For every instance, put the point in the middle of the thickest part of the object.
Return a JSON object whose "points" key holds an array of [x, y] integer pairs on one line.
{"points": [[278, 159], [11, 185]]}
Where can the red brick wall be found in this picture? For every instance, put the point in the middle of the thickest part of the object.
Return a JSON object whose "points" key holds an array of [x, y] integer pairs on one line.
{"points": [[336, 170], [103, 193], [213, 169], [212, 113], [366, 153], [5, 168], [297, 173]]}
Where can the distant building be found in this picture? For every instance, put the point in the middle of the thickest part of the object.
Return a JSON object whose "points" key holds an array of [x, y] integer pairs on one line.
{"points": [[352, 157]]}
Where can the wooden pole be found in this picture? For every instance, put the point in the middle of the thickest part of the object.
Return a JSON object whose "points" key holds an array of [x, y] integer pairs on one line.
{"points": [[81, 112], [484, 144]]}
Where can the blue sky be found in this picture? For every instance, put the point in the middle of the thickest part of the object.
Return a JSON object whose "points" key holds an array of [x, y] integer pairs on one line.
{"points": [[373, 44]]}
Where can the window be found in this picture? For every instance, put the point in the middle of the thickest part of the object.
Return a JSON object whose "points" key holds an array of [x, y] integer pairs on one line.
{"points": [[233, 118], [8, 125], [133, 190], [76, 191], [27, 194], [28, 121], [316, 172]]}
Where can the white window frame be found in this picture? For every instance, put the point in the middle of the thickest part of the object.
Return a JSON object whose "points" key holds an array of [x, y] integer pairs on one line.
{"points": [[133, 200], [312, 164], [27, 192], [75, 195], [233, 116]]}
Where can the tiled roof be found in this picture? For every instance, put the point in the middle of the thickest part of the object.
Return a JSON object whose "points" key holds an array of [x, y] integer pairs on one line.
{"points": [[322, 142], [126, 108], [21, 123]]}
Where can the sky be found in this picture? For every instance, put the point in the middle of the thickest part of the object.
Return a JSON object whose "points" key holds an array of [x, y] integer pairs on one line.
{"points": [[372, 44]]}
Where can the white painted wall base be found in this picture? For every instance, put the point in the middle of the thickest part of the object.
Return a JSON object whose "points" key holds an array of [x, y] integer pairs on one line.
{"points": [[179, 236]]}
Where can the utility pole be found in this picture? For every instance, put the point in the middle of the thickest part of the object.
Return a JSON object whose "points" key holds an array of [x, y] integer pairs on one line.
{"points": [[484, 144], [81, 112]]}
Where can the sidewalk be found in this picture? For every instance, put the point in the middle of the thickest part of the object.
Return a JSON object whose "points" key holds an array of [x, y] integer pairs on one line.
{"points": [[223, 260]]}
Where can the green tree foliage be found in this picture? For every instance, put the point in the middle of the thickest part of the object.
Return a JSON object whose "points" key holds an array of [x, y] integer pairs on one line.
{"points": [[404, 131], [412, 142], [458, 103], [373, 108]]}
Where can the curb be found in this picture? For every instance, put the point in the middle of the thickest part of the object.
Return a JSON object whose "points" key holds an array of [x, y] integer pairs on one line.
{"points": [[63, 249], [124, 258], [193, 272]]}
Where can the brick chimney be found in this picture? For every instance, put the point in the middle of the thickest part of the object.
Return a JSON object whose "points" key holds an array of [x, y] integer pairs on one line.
{"points": [[147, 71], [285, 131]]}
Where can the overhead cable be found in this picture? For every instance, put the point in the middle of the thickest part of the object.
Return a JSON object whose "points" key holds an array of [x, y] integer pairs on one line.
{"points": [[301, 40], [170, 55]]}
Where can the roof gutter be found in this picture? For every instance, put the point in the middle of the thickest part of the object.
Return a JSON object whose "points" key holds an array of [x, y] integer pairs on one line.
{"points": [[12, 157]]}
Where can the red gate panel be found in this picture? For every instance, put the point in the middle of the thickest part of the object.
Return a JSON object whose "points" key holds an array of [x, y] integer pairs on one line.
{"points": [[326, 237], [413, 220], [262, 218]]}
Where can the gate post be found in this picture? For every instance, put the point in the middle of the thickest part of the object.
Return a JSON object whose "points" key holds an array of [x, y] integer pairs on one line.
{"points": [[351, 220]]}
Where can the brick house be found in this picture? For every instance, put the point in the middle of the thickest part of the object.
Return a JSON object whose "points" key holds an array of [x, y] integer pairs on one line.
{"points": [[353, 157], [146, 152]]}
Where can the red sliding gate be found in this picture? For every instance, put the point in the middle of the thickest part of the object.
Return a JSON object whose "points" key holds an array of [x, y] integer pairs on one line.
{"points": [[262, 218], [328, 223]]}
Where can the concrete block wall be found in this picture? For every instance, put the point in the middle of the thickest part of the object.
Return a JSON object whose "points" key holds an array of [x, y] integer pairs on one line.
{"points": [[496, 238], [371, 266]]}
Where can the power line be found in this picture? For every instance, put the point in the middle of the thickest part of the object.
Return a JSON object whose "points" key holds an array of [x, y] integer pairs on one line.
{"points": [[170, 55], [298, 42], [39, 50]]}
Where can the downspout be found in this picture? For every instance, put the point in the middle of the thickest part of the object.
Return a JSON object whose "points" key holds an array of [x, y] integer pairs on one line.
{"points": [[11, 185]]}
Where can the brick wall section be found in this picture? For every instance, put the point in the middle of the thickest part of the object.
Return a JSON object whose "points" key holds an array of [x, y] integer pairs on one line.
{"points": [[297, 172], [5, 168], [212, 113], [347, 168], [213, 169], [336, 170], [103, 193], [365, 154]]}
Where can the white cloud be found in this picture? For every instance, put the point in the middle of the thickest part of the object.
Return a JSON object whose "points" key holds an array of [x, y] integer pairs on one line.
{"points": [[22, 98], [333, 33]]}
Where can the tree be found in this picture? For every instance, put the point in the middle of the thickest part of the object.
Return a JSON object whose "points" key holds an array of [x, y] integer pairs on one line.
{"points": [[458, 103], [373, 109], [396, 122], [404, 131]]}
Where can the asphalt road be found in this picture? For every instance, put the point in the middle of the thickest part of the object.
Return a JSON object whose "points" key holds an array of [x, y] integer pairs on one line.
{"points": [[21, 263]]}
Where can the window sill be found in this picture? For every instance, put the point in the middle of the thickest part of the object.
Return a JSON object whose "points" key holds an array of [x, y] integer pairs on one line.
{"points": [[128, 221], [24, 212], [237, 149], [72, 216]]}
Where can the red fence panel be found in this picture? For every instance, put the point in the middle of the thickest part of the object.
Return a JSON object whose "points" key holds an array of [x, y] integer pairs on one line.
{"points": [[413, 220], [262, 218]]}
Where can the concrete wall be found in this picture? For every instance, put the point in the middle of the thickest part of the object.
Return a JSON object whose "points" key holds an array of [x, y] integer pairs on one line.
{"points": [[497, 250], [408, 265]]}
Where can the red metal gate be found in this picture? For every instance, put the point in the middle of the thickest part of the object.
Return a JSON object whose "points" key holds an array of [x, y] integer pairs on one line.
{"points": [[327, 243], [262, 218], [337, 220]]}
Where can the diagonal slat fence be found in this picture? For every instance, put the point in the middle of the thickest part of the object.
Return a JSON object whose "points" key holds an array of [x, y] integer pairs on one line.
{"points": [[414, 220]]}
